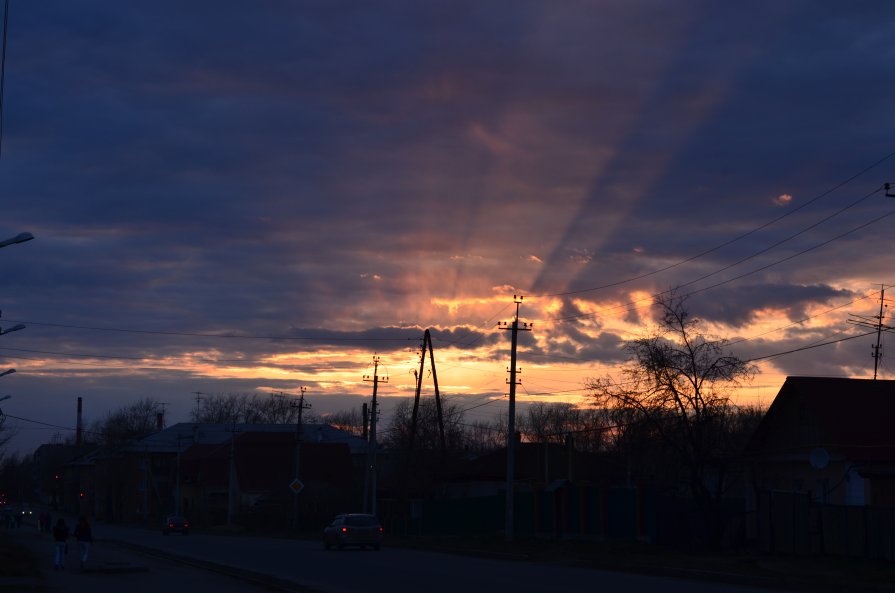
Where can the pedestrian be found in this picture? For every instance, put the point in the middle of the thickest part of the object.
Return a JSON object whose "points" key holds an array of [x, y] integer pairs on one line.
{"points": [[60, 537], [84, 535]]}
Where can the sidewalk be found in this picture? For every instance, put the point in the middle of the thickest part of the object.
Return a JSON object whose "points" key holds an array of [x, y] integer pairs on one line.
{"points": [[114, 568], [103, 560]]}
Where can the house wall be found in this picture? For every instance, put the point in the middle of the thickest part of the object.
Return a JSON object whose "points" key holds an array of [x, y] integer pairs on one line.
{"points": [[838, 483]]}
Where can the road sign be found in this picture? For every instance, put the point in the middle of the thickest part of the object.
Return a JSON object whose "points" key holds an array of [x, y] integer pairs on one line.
{"points": [[296, 486]]}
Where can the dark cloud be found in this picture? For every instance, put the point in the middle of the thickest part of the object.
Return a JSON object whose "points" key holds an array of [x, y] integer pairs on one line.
{"points": [[738, 305]]}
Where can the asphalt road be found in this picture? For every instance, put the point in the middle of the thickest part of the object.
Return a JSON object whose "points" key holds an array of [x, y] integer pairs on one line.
{"points": [[395, 570]]}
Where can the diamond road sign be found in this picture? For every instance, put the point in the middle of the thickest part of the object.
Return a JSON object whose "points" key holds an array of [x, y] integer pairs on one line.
{"points": [[296, 486]]}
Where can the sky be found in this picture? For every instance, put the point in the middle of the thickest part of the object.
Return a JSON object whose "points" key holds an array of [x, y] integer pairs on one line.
{"points": [[258, 197]]}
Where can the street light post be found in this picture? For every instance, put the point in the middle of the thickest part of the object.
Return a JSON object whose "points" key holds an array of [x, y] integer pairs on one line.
{"points": [[15, 328]]}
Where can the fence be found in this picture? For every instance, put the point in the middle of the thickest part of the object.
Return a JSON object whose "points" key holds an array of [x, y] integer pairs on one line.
{"points": [[793, 523]]}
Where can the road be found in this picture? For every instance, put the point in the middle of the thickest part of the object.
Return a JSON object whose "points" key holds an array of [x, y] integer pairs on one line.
{"points": [[395, 570]]}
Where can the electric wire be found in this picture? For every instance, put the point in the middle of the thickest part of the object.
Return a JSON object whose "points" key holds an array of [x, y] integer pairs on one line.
{"points": [[673, 291], [731, 241]]}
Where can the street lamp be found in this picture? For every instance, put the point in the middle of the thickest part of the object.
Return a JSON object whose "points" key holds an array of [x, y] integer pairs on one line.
{"points": [[7, 372], [14, 328], [20, 238]]}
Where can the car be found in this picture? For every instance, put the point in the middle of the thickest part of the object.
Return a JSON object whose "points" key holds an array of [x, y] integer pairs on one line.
{"points": [[176, 524], [353, 529]]}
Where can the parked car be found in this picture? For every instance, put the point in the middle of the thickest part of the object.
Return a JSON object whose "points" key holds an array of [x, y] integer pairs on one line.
{"points": [[176, 524], [353, 529]]}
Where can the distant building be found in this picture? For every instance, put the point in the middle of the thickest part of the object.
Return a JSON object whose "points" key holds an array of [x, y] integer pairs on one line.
{"points": [[190, 463]]}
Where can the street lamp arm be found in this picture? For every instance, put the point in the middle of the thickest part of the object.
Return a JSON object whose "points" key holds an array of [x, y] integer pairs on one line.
{"points": [[14, 328], [20, 238]]}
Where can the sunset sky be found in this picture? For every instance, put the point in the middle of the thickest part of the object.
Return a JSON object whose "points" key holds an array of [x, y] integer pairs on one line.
{"points": [[250, 197]]}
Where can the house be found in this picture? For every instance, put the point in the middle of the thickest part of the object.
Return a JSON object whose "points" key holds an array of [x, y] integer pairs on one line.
{"points": [[830, 438], [186, 467], [252, 478]]}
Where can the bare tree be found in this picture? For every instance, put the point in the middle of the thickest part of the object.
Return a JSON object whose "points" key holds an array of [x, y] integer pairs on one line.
{"points": [[428, 433], [554, 423], [485, 436], [675, 388], [126, 423], [249, 408]]}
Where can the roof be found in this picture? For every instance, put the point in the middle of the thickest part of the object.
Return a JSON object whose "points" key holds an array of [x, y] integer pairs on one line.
{"points": [[185, 434], [847, 417]]}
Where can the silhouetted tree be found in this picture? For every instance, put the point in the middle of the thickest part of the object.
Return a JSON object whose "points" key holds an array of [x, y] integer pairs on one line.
{"points": [[428, 435], [484, 436], [349, 420], [555, 422], [249, 408], [128, 422], [675, 389]]}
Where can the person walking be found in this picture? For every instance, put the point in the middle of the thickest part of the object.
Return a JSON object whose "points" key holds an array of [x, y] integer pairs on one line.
{"points": [[84, 535], [60, 537]]}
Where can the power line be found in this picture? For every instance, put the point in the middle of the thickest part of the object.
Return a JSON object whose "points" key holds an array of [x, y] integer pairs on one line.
{"points": [[731, 241], [631, 304]]}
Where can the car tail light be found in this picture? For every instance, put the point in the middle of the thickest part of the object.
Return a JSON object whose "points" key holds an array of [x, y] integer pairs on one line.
{"points": [[380, 530], [170, 525], [344, 530], [185, 525]]}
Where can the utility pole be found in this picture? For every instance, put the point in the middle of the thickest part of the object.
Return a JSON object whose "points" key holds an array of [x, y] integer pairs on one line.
{"points": [[879, 331], [177, 497], [515, 327], [231, 490], [875, 322], [198, 395], [427, 342], [370, 481], [301, 405]]}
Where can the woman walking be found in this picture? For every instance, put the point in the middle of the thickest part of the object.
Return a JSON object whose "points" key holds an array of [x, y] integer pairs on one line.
{"points": [[84, 535], [60, 536]]}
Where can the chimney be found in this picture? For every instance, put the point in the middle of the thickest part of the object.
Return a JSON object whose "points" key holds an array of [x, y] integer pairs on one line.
{"points": [[78, 429], [159, 420]]}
